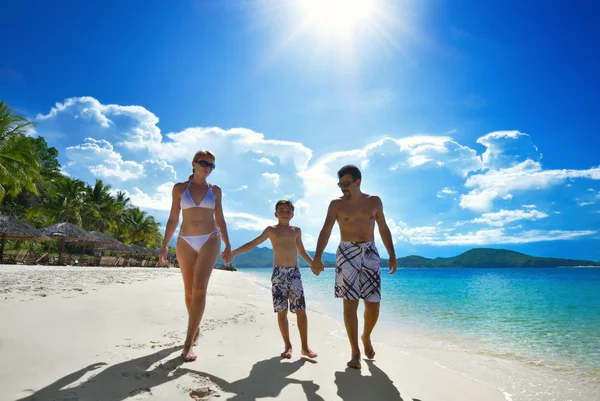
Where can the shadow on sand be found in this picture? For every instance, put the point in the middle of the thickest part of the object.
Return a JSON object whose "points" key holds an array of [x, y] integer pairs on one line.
{"points": [[353, 386], [132, 378], [116, 382], [267, 379]]}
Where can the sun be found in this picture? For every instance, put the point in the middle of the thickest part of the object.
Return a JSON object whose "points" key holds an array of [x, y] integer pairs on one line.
{"points": [[338, 18]]}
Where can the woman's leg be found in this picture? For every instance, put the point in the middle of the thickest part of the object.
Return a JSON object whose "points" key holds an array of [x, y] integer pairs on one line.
{"points": [[186, 256], [205, 263]]}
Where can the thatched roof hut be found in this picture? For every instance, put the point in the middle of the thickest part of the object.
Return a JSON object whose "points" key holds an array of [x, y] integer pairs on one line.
{"points": [[66, 231], [97, 238], [118, 247], [140, 249], [12, 228]]}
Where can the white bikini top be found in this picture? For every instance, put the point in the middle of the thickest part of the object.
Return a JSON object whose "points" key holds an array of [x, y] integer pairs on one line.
{"points": [[187, 201]]}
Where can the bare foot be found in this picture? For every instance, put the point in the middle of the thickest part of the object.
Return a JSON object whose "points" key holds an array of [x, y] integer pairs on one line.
{"points": [[354, 362], [196, 337], [287, 354], [369, 351], [307, 352], [188, 353]]}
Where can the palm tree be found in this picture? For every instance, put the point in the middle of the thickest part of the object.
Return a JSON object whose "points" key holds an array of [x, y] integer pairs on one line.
{"points": [[99, 206], [19, 161], [141, 228], [66, 202]]}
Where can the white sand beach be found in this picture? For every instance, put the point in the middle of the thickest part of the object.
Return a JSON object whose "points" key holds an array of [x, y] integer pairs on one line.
{"points": [[76, 333]]}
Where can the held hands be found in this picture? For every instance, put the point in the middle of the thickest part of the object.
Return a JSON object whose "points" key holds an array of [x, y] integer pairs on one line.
{"points": [[393, 265], [227, 255], [317, 266]]}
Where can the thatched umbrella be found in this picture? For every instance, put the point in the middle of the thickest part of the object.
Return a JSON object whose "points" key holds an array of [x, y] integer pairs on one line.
{"points": [[97, 238], [119, 247], [140, 249], [13, 228], [66, 231]]}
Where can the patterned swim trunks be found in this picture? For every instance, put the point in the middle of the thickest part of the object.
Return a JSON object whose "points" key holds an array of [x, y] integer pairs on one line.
{"points": [[357, 274], [287, 288]]}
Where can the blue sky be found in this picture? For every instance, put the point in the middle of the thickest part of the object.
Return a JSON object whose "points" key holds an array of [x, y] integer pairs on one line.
{"points": [[476, 122]]}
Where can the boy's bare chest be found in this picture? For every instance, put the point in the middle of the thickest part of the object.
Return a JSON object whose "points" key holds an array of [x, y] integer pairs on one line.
{"points": [[283, 236]]}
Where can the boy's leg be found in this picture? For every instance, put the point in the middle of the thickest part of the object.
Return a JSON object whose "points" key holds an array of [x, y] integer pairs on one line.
{"points": [[285, 333], [298, 306], [280, 291], [303, 329]]}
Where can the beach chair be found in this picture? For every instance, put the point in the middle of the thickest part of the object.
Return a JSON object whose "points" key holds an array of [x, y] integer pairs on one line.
{"points": [[67, 259], [20, 256]]}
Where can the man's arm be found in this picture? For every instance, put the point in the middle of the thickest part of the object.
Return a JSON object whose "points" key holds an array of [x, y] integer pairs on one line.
{"points": [[386, 235], [252, 244], [301, 251], [326, 230]]}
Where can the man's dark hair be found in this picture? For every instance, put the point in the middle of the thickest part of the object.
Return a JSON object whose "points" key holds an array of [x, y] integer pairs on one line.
{"points": [[352, 170], [284, 202]]}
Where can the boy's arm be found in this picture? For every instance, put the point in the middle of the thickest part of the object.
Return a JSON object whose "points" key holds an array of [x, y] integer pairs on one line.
{"points": [[301, 251], [252, 244]]}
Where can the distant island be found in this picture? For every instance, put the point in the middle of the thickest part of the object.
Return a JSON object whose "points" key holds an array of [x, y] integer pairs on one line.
{"points": [[478, 257]]}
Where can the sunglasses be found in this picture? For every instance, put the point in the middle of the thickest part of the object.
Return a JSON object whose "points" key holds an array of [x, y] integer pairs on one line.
{"points": [[204, 163], [344, 184]]}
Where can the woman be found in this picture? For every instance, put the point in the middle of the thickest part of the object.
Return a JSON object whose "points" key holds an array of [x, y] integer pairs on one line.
{"points": [[199, 240]]}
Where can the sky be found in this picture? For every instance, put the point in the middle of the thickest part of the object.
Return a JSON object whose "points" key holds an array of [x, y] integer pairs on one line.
{"points": [[475, 122]]}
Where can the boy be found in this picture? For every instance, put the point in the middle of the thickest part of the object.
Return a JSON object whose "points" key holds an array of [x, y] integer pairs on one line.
{"points": [[286, 281]]}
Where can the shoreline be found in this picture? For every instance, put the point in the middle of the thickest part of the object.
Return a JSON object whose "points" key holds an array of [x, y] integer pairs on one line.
{"points": [[483, 365], [121, 338]]}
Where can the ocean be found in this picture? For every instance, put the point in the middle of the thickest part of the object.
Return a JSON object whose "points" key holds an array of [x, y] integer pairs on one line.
{"points": [[531, 332]]}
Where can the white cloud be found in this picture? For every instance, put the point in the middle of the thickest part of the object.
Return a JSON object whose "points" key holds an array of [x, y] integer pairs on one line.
{"points": [[161, 200], [431, 235], [525, 176], [272, 178], [504, 217], [241, 188], [102, 161], [266, 161], [529, 206], [247, 221], [507, 149], [445, 192]]}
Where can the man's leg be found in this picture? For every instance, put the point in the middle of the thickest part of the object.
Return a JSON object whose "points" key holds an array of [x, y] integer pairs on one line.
{"points": [[351, 321], [284, 328], [371, 316]]}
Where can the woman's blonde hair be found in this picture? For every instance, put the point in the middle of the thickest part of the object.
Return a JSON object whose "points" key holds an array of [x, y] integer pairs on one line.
{"points": [[201, 153]]}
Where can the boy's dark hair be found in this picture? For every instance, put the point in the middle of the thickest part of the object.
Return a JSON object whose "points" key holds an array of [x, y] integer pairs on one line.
{"points": [[284, 202], [352, 170]]}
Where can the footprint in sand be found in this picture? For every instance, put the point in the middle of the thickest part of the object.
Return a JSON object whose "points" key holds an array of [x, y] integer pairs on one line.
{"points": [[207, 389], [140, 393]]}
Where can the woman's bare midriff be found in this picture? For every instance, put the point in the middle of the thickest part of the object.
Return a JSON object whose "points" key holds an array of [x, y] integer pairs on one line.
{"points": [[197, 221]]}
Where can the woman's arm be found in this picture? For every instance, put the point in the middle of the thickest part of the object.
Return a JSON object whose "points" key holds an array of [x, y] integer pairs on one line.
{"points": [[172, 223], [220, 220]]}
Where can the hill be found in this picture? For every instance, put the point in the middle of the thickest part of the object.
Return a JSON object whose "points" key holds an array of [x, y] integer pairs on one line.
{"points": [[488, 257], [478, 257], [263, 257]]}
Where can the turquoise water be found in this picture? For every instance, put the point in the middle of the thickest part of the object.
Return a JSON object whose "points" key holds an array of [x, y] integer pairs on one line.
{"points": [[544, 317]]}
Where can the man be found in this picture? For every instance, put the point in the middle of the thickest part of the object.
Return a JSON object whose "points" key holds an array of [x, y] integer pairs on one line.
{"points": [[357, 274]]}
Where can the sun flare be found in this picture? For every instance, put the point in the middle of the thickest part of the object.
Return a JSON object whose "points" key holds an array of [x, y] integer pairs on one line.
{"points": [[338, 17]]}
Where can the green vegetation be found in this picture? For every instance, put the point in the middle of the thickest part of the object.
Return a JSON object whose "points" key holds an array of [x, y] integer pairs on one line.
{"points": [[481, 257], [487, 257], [33, 189]]}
